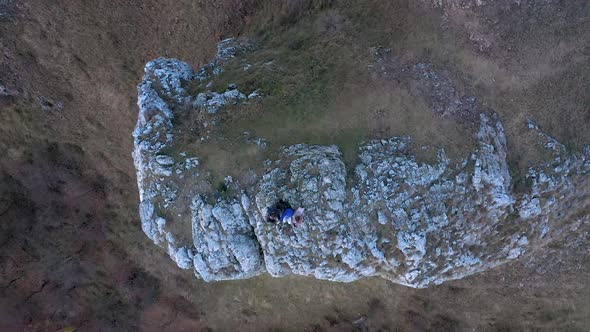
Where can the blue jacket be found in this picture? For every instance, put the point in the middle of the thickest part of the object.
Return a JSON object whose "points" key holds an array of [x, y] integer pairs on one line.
{"points": [[288, 213]]}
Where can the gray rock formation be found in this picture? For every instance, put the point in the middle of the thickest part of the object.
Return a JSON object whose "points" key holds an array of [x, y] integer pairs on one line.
{"points": [[225, 243], [213, 101], [410, 222]]}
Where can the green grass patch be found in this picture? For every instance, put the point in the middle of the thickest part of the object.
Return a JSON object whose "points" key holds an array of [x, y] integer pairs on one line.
{"points": [[316, 88]]}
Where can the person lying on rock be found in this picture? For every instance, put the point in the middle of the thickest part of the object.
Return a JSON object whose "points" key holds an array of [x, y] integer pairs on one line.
{"points": [[286, 211], [283, 212]]}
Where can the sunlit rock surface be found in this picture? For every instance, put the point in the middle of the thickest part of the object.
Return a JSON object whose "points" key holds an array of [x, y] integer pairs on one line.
{"points": [[392, 216]]}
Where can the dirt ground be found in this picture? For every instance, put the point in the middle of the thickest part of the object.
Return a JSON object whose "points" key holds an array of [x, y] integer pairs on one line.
{"points": [[73, 255]]}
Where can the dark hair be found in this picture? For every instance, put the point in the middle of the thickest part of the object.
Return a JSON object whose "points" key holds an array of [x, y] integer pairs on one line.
{"points": [[273, 215]]}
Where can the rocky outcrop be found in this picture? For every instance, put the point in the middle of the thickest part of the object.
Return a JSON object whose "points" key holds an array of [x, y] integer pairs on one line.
{"points": [[411, 222], [313, 177], [225, 244]]}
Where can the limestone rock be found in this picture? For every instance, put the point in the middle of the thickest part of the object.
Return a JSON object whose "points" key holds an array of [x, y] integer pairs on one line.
{"points": [[225, 245], [394, 217]]}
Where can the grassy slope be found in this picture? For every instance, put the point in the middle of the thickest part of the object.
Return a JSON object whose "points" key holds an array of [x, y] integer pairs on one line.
{"points": [[317, 87], [319, 91]]}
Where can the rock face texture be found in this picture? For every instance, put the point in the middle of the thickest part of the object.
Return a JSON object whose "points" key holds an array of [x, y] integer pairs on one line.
{"points": [[392, 216]]}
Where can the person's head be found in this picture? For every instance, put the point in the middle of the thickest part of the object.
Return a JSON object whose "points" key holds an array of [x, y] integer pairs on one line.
{"points": [[273, 215]]}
